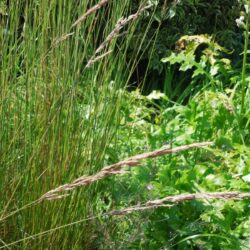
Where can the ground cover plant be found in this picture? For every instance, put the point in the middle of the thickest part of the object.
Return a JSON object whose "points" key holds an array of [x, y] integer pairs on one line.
{"points": [[119, 129]]}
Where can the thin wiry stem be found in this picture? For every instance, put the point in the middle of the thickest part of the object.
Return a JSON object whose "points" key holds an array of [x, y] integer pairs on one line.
{"points": [[244, 63]]}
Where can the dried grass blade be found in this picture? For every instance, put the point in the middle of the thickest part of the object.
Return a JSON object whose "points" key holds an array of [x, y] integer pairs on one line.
{"points": [[115, 33], [117, 169], [175, 199], [89, 12]]}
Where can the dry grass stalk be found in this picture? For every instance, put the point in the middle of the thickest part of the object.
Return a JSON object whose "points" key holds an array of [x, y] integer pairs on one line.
{"points": [[89, 12], [115, 33], [149, 205], [119, 25], [182, 198], [117, 168], [62, 38], [95, 59], [82, 18]]}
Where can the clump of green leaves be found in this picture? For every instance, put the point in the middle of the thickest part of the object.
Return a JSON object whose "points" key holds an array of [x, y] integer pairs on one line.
{"points": [[174, 19], [225, 167], [202, 58], [153, 121]]}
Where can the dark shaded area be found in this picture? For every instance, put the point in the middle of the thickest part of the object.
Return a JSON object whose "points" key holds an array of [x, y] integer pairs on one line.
{"points": [[216, 17]]}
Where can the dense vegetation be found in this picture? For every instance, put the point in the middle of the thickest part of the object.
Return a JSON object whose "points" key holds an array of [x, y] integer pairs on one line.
{"points": [[87, 84]]}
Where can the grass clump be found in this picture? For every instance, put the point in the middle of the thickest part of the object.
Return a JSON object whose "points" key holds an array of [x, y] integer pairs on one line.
{"points": [[57, 116]]}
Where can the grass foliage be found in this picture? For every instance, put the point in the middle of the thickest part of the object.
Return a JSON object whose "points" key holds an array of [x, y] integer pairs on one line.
{"points": [[57, 117]]}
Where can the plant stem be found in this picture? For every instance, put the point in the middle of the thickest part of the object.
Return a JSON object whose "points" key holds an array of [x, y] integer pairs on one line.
{"points": [[243, 74]]}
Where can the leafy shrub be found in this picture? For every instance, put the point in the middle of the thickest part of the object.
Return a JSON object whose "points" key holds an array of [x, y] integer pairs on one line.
{"points": [[174, 19], [197, 224], [202, 59]]}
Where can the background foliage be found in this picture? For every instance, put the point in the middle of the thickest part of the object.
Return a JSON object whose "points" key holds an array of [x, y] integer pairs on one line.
{"points": [[173, 19]]}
